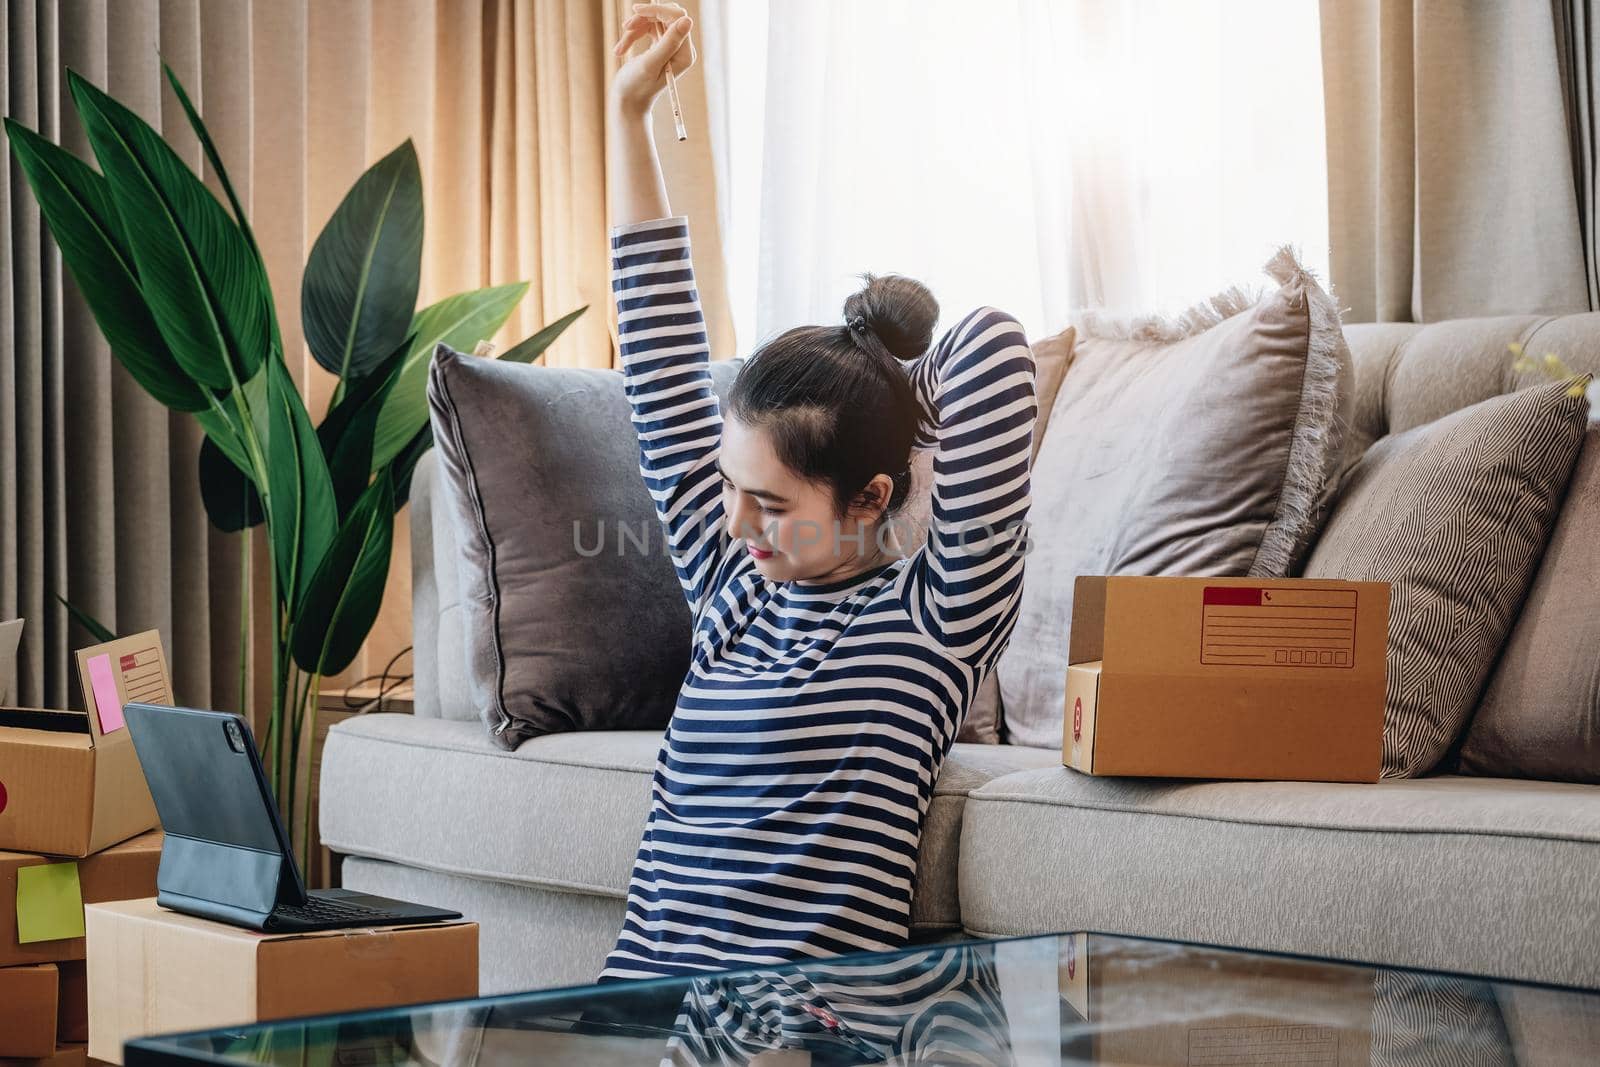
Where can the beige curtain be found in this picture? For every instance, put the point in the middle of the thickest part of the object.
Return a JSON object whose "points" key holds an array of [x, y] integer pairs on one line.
{"points": [[1456, 181], [504, 102]]}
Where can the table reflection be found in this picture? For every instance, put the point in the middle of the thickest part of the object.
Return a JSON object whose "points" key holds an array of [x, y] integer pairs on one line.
{"points": [[1055, 1001]]}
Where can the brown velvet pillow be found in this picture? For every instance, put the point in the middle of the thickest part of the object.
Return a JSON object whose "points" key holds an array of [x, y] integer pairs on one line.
{"points": [[1454, 513], [1540, 714], [1201, 445]]}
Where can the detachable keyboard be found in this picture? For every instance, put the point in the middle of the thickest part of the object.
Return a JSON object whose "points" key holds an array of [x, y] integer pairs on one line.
{"points": [[322, 910]]}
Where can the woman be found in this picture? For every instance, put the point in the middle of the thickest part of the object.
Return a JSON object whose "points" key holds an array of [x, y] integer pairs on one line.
{"points": [[829, 675]]}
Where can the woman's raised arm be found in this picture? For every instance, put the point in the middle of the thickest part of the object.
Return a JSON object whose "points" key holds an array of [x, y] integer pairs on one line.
{"points": [[661, 331], [637, 191], [976, 387]]}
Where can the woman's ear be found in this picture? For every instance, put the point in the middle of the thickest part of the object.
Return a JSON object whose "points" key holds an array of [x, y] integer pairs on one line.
{"points": [[869, 503]]}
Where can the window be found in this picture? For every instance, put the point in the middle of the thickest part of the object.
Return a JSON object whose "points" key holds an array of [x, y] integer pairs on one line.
{"points": [[1039, 155]]}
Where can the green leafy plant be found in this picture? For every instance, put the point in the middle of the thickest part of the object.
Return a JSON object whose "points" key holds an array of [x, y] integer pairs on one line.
{"points": [[178, 285]]}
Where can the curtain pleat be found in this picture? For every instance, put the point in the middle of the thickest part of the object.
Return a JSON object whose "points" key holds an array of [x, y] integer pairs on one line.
{"points": [[504, 101], [1452, 190], [1578, 49]]}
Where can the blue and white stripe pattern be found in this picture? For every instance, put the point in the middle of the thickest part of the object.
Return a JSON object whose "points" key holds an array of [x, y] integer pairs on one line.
{"points": [[943, 1006], [795, 775]]}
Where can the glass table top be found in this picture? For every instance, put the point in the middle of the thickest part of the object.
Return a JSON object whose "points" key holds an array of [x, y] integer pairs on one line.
{"points": [[1060, 999]]}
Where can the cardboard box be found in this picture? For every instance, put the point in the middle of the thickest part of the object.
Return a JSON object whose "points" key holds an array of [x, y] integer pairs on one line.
{"points": [[1270, 678], [1158, 1002], [28, 1010], [70, 782], [121, 872], [72, 1005], [155, 971], [63, 1056]]}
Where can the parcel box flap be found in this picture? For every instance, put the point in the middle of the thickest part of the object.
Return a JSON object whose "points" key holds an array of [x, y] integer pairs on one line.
{"points": [[1087, 639]]}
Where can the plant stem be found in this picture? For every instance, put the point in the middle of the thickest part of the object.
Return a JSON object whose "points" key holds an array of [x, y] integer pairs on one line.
{"points": [[244, 625], [279, 684], [296, 711], [311, 746], [292, 728]]}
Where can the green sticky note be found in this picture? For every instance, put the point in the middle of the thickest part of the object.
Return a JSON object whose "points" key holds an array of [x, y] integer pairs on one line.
{"points": [[49, 903]]}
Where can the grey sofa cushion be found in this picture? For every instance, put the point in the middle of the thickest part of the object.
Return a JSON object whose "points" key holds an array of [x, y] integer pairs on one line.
{"points": [[567, 623], [1479, 875], [1200, 446], [1540, 712], [1454, 514], [426, 793]]}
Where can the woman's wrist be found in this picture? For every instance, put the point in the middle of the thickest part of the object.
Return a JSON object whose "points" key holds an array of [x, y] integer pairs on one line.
{"points": [[620, 108]]}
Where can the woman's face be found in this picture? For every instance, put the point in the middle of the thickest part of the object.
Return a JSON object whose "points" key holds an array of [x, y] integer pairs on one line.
{"points": [[788, 524]]}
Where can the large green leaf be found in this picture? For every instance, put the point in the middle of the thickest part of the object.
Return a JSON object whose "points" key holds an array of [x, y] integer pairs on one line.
{"points": [[228, 493], [460, 321], [360, 283], [97, 629], [347, 589], [405, 464], [228, 485], [302, 517], [206, 290], [532, 347], [76, 204], [215, 158], [346, 434]]}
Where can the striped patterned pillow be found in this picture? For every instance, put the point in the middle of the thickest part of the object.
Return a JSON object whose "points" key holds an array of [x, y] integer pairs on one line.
{"points": [[1454, 514]]}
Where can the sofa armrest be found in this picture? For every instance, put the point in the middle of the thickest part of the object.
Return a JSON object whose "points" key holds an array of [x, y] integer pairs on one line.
{"points": [[439, 654]]}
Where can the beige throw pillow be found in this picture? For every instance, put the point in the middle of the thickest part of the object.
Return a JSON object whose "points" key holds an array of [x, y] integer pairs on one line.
{"points": [[1199, 445]]}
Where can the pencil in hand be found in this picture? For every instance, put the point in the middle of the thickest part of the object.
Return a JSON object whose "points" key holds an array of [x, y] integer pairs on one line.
{"points": [[672, 95]]}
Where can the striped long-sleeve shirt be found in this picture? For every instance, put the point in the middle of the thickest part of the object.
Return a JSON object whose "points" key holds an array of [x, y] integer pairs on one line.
{"points": [[942, 1006], [790, 792]]}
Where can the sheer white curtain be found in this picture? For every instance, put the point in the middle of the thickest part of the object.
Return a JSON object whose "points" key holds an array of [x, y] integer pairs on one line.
{"points": [[1038, 155]]}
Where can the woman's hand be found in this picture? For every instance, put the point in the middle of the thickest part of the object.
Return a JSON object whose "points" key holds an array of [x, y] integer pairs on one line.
{"points": [[641, 78]]}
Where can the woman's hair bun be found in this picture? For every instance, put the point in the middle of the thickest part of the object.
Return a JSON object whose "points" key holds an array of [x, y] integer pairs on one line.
{"points": [[901, 311]]}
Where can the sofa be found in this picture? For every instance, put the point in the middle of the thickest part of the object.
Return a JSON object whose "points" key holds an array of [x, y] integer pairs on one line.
{"points": [[1484, 876]]}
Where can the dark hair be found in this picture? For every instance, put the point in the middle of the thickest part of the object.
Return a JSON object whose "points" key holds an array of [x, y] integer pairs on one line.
{"points": [[834, 400]]}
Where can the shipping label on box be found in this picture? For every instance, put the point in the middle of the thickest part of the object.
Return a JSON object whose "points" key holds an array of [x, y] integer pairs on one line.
{"points": [[70, 782], [1263, 678]]}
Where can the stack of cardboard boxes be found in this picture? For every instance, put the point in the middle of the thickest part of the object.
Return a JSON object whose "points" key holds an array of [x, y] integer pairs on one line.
{"points": [[76, 827]]}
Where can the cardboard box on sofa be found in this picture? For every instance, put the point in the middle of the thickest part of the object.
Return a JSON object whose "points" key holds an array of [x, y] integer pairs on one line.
{"points": [[28, 1010], [119, 873], [1155, 1002], [1268, 678], [156, 971]]}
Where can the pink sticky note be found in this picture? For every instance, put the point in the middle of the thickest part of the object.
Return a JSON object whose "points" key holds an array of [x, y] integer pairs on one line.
{"points": [[106, 702]]}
